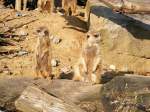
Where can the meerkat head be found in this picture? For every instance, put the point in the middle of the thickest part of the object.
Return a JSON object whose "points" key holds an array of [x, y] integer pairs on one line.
{"points": [[93, 37], [42, 31]]}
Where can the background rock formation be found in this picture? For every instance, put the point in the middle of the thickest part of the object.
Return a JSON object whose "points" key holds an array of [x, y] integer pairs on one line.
{"points": [[126, 38]]}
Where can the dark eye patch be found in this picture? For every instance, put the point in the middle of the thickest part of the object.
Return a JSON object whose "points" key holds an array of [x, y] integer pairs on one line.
{"points": [[88, 36], [38, 31], [46, 33], [96, 35]]}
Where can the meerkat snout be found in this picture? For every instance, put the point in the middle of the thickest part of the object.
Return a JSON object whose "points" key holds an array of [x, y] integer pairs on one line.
{"points": [[42, 31], [93, 37]]}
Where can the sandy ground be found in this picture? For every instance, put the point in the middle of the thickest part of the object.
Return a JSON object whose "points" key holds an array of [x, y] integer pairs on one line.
{"points": [[71, 30]]}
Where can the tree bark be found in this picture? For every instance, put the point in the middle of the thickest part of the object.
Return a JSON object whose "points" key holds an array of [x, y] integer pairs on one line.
{"points": [[75, 91], [35, 100], [66, 90]]}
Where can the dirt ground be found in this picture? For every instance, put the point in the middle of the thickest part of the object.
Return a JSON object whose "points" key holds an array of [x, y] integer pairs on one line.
{"points": [[71, 30]]}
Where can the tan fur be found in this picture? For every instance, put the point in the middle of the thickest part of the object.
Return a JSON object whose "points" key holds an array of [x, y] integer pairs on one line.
{"points": [[19, 3], [88, 67], [69, 4], [45, 5], [43, 53]]}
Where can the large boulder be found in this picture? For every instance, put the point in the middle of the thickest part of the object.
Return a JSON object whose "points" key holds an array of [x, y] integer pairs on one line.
{"points": [[125, 38], [126, 94]]}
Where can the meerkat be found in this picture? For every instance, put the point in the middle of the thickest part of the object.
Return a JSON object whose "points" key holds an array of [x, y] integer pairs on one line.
{"points": [[43, 53], [46, 5], [18, 4], [68, 5], [88, 67]]}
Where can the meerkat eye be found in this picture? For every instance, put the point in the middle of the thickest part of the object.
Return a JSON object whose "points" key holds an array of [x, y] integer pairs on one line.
{"points": [[38, 31], [88, 36], [46, 32], [96, 35]]}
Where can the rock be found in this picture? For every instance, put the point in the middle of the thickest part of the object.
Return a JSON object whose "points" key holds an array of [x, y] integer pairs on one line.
{"points": [[69, 90], [21, 53], [55, 62], [10, 6], [66, 73], [112, 67], [129, 93], [125, 38], [7, 28], [66, 69], [55, 40], [125, 93], [25, 26], [2, 111], [88, 107], [60, 13], [6, 70], [23, 31], [18, 14]]}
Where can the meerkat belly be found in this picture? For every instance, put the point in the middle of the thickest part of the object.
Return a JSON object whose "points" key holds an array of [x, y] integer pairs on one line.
{"points": [[42, 55], [90, 54]]}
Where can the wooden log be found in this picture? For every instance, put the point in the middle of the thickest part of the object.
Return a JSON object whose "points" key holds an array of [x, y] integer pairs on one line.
{"points": [[75, 91], [35, 100], [66, 90]]}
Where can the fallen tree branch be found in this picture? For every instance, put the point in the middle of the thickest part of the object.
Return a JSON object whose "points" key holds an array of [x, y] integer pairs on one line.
{"points": [[35, 100], [19, 26]]}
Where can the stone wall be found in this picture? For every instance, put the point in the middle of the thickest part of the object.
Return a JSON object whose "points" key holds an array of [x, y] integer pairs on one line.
{"points": [[125, 38]]}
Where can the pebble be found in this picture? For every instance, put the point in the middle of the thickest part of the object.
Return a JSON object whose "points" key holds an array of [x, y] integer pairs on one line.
{"points": [[23, 31], [112, 67], [21, 53], [66, 70], [60, 13], [54, 62], [18, 14], [55, 40], [1, 111]]}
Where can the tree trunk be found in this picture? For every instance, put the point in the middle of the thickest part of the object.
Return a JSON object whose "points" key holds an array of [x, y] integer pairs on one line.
{"points": [[35, 100], [66, 90], [75, 91]]}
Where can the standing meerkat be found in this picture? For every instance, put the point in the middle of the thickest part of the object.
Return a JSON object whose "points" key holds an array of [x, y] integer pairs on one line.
{"points": [[18, 4], [88, 68], [43, 53], [68, 5], [46, 5]]}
